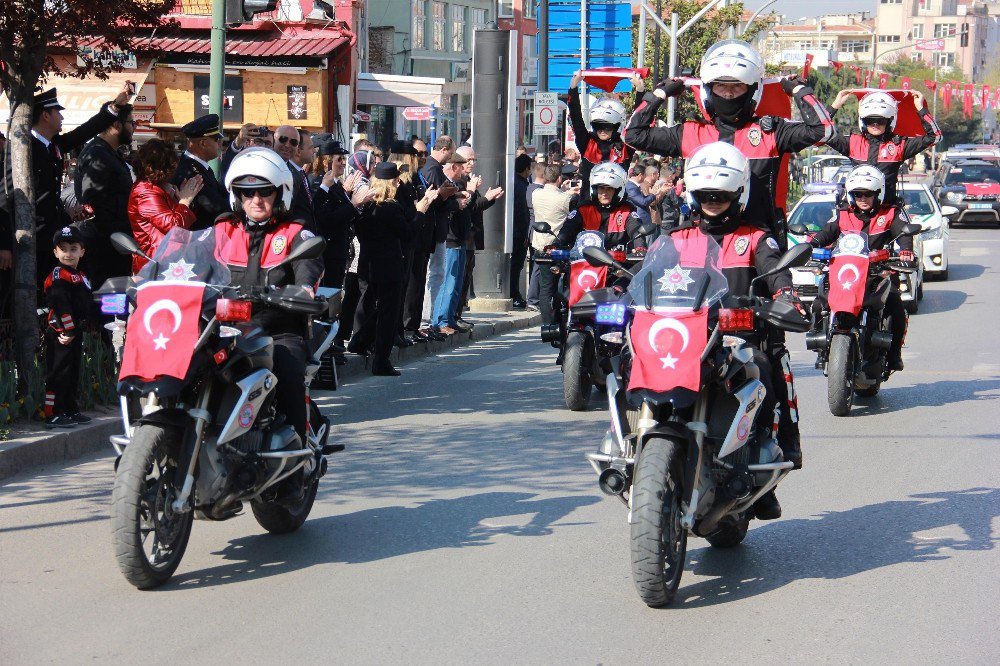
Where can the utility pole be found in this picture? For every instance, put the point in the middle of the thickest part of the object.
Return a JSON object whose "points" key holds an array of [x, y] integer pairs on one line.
{"points": [[217, 65], [656, 44], [541, 142]]}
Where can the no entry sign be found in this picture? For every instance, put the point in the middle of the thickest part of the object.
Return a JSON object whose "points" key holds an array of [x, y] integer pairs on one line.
{"points": [[546, 114]]}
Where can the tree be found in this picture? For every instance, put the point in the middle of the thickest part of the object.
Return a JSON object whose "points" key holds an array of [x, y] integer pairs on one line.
{"points": [[28, 29]]}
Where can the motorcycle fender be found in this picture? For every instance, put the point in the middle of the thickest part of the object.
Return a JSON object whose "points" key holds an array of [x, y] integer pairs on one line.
{"points": [[750, 397], [242, 403]]}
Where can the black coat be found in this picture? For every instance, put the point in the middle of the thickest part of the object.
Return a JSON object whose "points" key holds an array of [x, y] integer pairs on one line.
{"points": [[441, 210], [213, 199], [103, 181], [382, 230], [302, 204], [335, 217], [421, 226]]}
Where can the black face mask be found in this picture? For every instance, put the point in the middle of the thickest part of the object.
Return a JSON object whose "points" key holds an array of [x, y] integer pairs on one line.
{"points": [[732, 111]]}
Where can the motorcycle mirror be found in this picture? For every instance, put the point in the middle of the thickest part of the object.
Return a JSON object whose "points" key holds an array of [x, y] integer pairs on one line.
{"points": [[645, 230], [542, 227], [798, 229], [912, 229], [598, 256], [797, 255], [125, 244]]}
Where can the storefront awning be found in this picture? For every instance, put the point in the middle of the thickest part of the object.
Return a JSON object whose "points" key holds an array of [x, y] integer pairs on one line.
{"points": [[392, 90], [83, 98]]}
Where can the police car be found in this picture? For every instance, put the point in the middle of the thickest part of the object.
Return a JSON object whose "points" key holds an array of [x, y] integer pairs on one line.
{"points": [[971, 185]]}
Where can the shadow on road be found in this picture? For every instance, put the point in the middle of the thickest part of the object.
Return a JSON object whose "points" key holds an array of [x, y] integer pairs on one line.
{"points": [[839, 544], [378, 534], [941, 300], [958, 272], [933, 394]]}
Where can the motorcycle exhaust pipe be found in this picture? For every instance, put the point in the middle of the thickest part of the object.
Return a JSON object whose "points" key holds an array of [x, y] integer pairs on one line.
{"points": [[550, 333], [612, 481], [881, 339], [816, 340]]}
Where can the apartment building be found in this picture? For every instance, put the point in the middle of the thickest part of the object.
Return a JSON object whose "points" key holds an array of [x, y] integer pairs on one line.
{"points": [[846, 38]]}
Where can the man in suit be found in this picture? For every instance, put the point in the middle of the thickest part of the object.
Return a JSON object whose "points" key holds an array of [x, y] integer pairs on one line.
{"points": [[48, 147], [335, 214], [522, 168], [475, 239], [103, 181], [441, 211], [204, 136], [287, 141]]}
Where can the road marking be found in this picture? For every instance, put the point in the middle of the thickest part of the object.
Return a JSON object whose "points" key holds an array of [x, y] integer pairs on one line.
{"points": [[974, 252]]}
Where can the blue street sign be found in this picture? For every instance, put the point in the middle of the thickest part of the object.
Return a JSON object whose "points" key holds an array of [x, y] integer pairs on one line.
{"points": [[609, 39]]}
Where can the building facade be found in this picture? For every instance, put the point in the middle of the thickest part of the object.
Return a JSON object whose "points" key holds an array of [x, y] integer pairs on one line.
{"points": [[846, 38]]}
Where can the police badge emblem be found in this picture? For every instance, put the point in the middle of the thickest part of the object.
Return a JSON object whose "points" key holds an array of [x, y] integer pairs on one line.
{"points": [[891, 149], [742, 245], [278, 244], [753, 136]]}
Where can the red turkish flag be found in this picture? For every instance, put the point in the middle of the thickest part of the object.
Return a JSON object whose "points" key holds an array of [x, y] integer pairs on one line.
{"points": [[883, 81], [996, 97], [773, 101], [807, 66], [931, 85], [985, 98], [836, 66], [968, 94], [606, 78], [583, 278], [868, 77], [906, 83], [848, 277], [666, 349], [857, 74], [163, 330], [946, 95], [907, 120]]}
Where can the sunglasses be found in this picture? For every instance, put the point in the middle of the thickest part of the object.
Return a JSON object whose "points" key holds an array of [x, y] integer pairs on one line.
{"points": [[863, 194], [421, 153], [874, 120], [250, 192], [285, 139], [714, 196]]}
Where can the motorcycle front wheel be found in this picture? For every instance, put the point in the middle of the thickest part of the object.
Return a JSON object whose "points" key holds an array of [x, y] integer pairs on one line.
{"points": [[149, 537], [659, 542], [840, 374], [577, 384]]}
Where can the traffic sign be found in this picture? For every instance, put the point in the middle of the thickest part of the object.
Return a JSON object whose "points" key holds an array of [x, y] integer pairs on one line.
{"points": [[930, 45], [418, 112], [546, 114]]}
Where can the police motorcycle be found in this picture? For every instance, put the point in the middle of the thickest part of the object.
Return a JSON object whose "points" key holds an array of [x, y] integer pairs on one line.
{"points": [[589, 328], [690, 448], [850, 335], [202, 434]]}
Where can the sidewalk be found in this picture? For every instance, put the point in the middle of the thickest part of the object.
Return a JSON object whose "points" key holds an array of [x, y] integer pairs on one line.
{"points": [[33, 445]]}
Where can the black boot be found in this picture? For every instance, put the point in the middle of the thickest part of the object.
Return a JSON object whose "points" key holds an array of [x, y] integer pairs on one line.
{"points": [[767, 507], [384, 368], [792, 451], [894, 363]]}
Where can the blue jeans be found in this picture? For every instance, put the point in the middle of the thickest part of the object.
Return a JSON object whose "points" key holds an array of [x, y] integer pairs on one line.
{"points": [[446, 303]]}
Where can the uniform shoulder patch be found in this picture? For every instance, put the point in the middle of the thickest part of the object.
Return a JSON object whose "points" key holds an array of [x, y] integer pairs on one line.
{"points": [[305, 234], [571, 215], [772, 243], [278, 244], [634, 214]]}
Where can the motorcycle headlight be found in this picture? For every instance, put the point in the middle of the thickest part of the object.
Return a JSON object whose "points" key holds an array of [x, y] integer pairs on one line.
{"points": [[611, 314], [953, 196], [932, 234]]}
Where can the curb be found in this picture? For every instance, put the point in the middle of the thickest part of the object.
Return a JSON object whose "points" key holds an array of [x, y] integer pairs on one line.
{"points": [[24, 453]]}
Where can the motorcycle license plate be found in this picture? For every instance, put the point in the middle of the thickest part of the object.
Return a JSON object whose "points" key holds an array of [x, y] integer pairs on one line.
{"points": [[980, 206]]}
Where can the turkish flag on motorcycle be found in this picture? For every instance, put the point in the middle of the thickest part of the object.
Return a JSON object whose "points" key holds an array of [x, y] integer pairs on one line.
{"points": [[163, 330], [666, 349], [583, 278], [848, 279]]}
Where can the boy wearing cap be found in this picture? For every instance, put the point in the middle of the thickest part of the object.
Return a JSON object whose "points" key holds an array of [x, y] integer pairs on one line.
{"points": [[68, 296]]}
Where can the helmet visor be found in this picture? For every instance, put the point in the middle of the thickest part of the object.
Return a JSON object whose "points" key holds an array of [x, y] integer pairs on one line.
{"points": [[875, 120], [715, 196]]}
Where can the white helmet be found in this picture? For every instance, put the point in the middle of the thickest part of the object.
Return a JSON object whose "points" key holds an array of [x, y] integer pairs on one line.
{"points": [[732, 60], [607, 111], [718, 167], [879, 105], [609, 174], [865, 177], [259, 167]]}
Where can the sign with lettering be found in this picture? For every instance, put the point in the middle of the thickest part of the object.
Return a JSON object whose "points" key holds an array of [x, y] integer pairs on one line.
{"points": [[297, 108], [232, 98]]}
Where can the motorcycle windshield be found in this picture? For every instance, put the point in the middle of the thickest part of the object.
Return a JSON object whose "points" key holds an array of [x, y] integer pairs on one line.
{"points": [[675, 269], [848, 274], [186, 256]]}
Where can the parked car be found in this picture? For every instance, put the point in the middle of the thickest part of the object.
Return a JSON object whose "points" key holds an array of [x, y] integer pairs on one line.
{"points": [[813, 211], [924, 210], [821, 168], [972, 187]]}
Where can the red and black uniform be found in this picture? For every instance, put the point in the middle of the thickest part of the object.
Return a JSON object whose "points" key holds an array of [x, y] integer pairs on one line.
{"points": [[888, 151], [881, 226], [619, 224], [68, 296], [249, 251], [766, 142], [592, 149]]}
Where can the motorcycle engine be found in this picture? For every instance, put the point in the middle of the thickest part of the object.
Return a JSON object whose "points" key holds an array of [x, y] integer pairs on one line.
{"points": [[251, 442]]}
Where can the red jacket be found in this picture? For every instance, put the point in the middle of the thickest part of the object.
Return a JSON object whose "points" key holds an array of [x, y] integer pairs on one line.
{"points": [[152, 212]]}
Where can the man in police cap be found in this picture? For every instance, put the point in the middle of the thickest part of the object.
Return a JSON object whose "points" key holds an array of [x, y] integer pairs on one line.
{"points": [[48, 147], [205, 138]]}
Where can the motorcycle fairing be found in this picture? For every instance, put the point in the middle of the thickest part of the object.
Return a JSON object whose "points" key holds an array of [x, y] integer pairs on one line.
{"points": [[243, 402]]}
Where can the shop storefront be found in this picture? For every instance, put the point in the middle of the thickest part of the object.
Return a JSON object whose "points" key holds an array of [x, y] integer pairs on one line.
{"points": [[384, 98]]}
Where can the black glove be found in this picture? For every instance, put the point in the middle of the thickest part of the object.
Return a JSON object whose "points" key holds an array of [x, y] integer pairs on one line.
{"points": [[671, 87], [791, 297], [789, 84]]}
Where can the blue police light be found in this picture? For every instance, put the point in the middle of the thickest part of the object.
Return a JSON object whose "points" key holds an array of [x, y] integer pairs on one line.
{"points": [[821, 254], [612, 314], [114, 304], [822, 188], [560, 255]]}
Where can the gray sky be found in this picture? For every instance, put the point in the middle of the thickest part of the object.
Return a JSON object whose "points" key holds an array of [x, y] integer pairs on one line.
{"points": [[793, 9]]}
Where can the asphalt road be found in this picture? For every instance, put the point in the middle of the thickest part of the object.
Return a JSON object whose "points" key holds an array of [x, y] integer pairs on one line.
{"points": [[463, 525]]}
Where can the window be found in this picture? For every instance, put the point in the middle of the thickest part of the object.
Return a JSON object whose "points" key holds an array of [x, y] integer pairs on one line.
{"points": [[856, 46], [437, 26], [945, 59], [944, 30], [918, 31], [888, 39], [506, 9], [479, 18], [923, 5], [417, 37], [964, 39], [891, 2], [529, 9], [458, 28]]}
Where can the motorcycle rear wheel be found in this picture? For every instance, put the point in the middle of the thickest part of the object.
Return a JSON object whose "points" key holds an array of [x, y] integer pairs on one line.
{"points": [[577, 384], [840, 374], [658, 541], [149, 538], [280, 519]]}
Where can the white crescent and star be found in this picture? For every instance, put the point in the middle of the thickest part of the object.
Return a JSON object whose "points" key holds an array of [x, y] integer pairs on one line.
{"points": [[584, 273], [160, 342], [846, 284], [664, 323]]}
